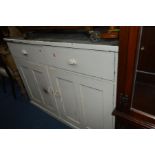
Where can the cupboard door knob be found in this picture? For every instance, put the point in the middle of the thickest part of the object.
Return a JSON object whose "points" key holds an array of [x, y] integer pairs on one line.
{"points": [[47, 91], [24, 52], [142, 48], [72, 61]]}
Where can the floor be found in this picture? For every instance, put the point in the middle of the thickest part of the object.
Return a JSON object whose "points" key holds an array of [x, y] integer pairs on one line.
{"points": [[19, 113]]}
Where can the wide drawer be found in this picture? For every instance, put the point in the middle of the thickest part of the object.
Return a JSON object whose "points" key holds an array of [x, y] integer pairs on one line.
{"points": [[28, 52], [90, 62]]}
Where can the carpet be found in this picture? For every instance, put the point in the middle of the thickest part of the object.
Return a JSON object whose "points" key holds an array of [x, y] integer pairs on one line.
{"points": [[19, 113]]}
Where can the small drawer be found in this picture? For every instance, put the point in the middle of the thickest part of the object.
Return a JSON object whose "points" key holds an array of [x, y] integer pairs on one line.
{"points": [[95, 63], [28, 52]]}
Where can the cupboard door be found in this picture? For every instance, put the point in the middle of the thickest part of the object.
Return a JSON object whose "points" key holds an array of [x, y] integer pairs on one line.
{"points": [[66, 96], [96, 98], [84, 101], [37, 84]]}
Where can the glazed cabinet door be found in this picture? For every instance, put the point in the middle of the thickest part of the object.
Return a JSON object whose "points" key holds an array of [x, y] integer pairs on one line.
{"points": [[66, 96], [96, 98], [36, 81]]}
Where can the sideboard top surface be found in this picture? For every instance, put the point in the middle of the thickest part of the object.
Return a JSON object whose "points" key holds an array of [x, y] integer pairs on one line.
{"points": [[111, 46]]}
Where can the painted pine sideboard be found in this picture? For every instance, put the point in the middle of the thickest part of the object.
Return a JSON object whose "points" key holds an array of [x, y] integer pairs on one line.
{"points": [[73, 82]]}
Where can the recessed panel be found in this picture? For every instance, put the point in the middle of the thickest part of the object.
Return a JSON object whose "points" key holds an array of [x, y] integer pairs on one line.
{"points": [[69, 100], [93, 106]]}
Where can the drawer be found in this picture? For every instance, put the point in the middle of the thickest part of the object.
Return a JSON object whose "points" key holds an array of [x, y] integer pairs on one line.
{"points": [[27, 52], [90, 62]]}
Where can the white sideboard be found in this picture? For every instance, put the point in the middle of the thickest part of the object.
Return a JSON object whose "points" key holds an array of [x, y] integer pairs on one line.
{"points": [[74, 82]]}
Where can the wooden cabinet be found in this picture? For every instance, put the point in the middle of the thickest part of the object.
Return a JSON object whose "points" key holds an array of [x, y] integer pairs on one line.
{"points": [[76, 83], [136, 78]]}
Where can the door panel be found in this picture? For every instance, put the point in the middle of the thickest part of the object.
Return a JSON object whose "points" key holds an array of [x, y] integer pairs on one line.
{"points": [[64, 90], [28, 77], [68, 98], [46, 89], [36, 81], [96, 97], [92, 100]]}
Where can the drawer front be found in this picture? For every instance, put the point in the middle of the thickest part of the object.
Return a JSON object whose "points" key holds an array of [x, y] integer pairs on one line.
{"points": [[90, 62], [27, 52]]}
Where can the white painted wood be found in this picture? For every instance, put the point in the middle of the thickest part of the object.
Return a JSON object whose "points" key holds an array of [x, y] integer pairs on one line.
{"points": [[37, 84], [75, 83], [87, 62], [32, 53], [64, 88], [81, 45], [96, 98], [84, 101]]}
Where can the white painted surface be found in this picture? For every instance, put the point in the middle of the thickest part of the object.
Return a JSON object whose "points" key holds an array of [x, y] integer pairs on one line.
{"points": [[32, 53], [66, 44], [96, 98], [84, 101], [37, 84], [66, 96], [88, 62], [76, 85]]}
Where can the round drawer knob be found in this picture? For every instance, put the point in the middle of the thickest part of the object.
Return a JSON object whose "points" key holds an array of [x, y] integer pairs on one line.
{"points": [[24, 52], [72, 61]]}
